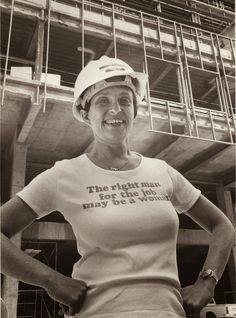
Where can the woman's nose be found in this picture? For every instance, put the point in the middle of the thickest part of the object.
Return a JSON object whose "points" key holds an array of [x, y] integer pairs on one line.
{"points": [[115, 108]]}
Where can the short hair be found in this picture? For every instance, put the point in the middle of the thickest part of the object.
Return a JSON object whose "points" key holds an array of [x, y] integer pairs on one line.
{"points": [[88, 104]]}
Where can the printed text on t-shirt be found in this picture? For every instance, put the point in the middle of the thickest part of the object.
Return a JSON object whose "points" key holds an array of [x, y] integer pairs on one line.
{"points": [[126, 193]]}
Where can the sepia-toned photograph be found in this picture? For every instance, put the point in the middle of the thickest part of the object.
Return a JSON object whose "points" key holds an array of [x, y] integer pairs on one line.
{"points": [[118, 132]]}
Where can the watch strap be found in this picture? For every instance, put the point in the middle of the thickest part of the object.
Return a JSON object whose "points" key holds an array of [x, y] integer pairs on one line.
{"points": [[208, 273]]}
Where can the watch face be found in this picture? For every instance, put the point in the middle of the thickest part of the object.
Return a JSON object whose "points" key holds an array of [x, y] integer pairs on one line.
{"points": [[206, 273]]}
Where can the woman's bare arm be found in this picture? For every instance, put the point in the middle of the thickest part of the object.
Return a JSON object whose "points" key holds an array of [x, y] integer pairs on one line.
{"points": [[15, 216], [213, 220]]}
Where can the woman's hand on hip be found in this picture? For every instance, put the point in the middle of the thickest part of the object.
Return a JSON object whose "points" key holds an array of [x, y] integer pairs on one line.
{"points": [[69, 292], [197, 296]]}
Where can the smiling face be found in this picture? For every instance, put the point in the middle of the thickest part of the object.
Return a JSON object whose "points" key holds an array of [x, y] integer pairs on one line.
{"points": [[111, 113]]}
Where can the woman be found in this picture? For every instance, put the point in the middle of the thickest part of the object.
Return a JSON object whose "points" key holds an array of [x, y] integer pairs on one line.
{"points": [[122, 208]]}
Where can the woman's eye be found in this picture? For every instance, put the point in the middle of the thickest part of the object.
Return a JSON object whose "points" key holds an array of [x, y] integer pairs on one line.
{"points": [[125, 101], [103, 101]]}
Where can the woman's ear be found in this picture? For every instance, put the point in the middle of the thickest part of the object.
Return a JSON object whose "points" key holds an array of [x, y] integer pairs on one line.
{"points": [[84, 115]]}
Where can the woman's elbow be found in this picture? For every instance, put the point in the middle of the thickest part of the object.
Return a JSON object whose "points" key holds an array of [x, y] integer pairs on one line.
{"points": [[226, 230]]}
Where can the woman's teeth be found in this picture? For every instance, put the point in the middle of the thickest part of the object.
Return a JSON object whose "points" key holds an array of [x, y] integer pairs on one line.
{"points": [[114, 122]]}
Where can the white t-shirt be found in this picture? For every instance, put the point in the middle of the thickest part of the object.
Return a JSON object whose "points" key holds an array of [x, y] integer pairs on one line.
{"points": [[126, 227]]}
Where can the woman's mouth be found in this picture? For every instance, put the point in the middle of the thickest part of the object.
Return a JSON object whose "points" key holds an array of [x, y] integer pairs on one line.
{"points": [[114, 122]]}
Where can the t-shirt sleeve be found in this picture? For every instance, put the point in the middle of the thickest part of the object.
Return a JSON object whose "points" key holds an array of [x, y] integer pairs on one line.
{"points": [[41, 193], [184, 194]]}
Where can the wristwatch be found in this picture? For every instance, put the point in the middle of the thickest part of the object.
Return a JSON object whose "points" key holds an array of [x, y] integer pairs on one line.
{"points": [[208, 273]]}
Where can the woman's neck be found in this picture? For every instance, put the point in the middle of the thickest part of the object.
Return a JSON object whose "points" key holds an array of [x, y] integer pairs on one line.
{"points": [[113, 157], [110, 151]]}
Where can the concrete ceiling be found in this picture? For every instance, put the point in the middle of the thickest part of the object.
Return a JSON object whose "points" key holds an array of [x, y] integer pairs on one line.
{"points": [[54, 134]]}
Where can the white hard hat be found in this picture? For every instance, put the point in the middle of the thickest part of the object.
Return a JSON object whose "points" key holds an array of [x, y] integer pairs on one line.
{"points": [[94, 76]]}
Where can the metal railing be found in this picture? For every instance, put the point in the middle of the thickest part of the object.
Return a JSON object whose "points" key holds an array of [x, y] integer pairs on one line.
{"points": [[190, 51], [35, 303]]}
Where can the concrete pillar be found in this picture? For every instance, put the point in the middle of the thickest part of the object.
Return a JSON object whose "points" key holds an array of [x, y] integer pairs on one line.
{"points": [[10, 285], [225, 202], [226, 205]]}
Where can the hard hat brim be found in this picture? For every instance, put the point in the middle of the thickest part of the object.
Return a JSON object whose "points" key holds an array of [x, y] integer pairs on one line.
{"points": [[139, 92]]}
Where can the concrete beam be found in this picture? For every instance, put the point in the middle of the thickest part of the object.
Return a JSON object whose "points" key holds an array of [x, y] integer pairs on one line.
{"points": [[18, 168], [226, 205], [231, 185], [10, 285], [225, 202], [229, 177], [24, 88], [204, 156], [182, 148], [220, 161], [28, 122]]}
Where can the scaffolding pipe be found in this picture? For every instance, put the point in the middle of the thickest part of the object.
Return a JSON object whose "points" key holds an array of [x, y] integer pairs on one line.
{"points": [[227, 92], [188, 118], [169, 116], [218, 92], [178, 70], [7, 55], [56, 268], [199, 51], [160, 59], [188, 85], [188, 82], [192, 137], [47, 55], [146, 71], [159, 36], [82, 30], [229, 128], [35, 303], [17, 60], [180, 88], [224, 102], [207, 5], [212, 125], [41, 305], [205, 70], [182, 84], [114, 30], [232, 49], [133, 10], [230, 76]]}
